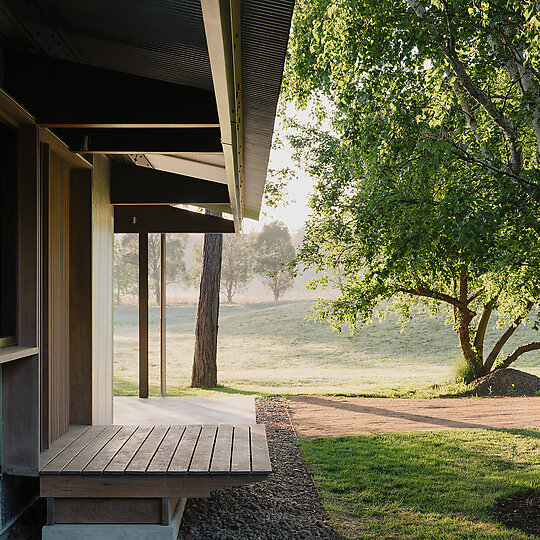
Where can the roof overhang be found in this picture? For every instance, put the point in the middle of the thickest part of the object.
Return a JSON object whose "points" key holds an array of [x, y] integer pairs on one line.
{"points": [[189, 88]]}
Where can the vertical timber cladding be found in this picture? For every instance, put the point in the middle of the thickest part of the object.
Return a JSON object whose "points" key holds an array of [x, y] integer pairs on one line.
{"points": [[58, 295], [80, 297], [102, 292]]}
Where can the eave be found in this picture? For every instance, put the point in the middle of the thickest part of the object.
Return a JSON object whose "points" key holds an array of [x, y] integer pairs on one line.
{"points": [[190, 88]]}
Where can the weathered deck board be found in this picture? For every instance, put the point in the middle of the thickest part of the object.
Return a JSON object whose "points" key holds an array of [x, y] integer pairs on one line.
{"points": [[184, 451], [221, 459], [81, 460], [200, 463], [162, 458], [107, 453], [241, 462], [190, 459], [64, 457], [119, 463], [146, 452], [260, 457], [61, 444]]}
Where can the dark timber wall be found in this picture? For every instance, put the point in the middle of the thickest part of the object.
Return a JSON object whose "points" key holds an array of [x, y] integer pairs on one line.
{"points": [[80, 298]]}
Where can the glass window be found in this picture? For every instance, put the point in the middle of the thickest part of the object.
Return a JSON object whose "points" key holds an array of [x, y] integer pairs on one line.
{"points": [[8, 237]]}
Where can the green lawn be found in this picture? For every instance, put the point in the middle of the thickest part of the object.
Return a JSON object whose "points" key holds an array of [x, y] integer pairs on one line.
{"points": [[268, 348], [423, 485]]}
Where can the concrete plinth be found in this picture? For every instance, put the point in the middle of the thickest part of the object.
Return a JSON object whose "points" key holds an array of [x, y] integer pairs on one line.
{"points": [[118, 531]]}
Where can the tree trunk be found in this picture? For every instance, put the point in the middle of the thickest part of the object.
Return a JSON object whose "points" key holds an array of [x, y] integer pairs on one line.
{"points": [[229, 295], [464, 334], [490, 360], [204, 373], [464, 318], [481, 329]]}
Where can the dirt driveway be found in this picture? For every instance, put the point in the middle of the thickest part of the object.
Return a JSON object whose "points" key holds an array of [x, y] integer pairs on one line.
{"points": [[328, 416]]}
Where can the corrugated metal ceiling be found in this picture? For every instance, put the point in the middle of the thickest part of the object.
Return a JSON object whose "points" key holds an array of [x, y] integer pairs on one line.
{"points": [[161, 39]]}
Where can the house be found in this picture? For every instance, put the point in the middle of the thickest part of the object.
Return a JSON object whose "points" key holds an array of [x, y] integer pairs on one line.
{"points": [[111, 113]]}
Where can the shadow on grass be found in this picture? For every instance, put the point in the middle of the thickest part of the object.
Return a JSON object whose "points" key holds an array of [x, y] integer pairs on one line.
{"points": [[533, 434], [129, 388], [424, 485]]}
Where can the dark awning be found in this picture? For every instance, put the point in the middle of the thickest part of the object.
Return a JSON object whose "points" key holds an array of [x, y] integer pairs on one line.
{"points": [[189, 59]]}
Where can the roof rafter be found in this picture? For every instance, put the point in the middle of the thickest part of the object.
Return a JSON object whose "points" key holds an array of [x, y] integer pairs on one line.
{"points": [[78, 95], [142, 185], [167, 219], [141, 140]]}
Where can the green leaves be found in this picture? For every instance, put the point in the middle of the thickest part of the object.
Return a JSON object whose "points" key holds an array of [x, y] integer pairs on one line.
{"points": [[433, 179]]}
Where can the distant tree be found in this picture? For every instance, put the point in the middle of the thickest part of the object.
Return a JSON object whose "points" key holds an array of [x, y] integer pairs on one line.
{"points": [[273, 249], [236, 264], [125, 273], [176, 268]]}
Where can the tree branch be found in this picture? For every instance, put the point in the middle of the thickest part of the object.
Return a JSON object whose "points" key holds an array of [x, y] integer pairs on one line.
{"points": [[468, 113], [490, 360], [463, 154], [516, 158], [463, 285], [448, 50], [474, 296], [428, 293], [524, 78], [533, 346]]}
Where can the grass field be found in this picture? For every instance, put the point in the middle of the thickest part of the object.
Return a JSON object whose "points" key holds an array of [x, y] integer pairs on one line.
{"points": [[268, 348], [424, 485]]}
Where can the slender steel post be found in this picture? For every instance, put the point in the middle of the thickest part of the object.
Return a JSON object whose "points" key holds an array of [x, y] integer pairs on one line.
{"points": [[163, 318], [143, 315]]}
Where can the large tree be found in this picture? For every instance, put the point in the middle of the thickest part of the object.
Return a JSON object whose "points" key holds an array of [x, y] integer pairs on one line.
{"points": [[273, 250], [204, 370], [462, 77], [431, 190]]}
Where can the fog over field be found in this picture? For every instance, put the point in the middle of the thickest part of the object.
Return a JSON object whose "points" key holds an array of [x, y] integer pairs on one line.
{"points": [[271, 348]]}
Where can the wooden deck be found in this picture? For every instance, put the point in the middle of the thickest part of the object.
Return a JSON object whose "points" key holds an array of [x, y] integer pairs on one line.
{"points": [[153, 461]]}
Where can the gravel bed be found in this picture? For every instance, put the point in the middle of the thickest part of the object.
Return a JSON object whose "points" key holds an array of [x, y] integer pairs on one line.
{"points": [[286, 506]]}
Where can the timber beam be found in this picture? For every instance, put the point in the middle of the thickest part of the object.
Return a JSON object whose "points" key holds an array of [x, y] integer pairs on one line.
{"points": [[166, 219], [141, 140], [60, 93], [131, 184]]}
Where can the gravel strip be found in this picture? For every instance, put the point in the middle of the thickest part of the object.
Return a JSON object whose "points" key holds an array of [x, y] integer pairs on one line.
{"points": [[286, 506]]}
